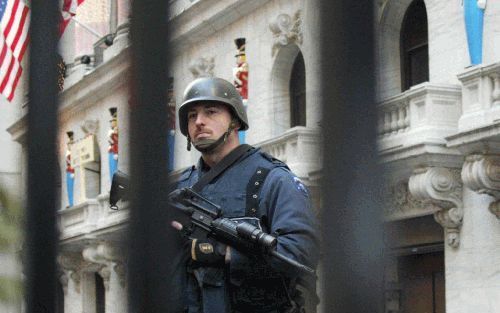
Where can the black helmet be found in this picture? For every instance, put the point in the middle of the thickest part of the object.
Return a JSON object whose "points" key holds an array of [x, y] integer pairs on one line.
{"points": [[212, 89]]}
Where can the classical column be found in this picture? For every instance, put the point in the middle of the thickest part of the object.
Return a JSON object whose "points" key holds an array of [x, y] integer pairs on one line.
{"points": [[121, 39], [123, 20], [71, 266], [109, 259], [441, 189], [472, 284], [310, 47]]}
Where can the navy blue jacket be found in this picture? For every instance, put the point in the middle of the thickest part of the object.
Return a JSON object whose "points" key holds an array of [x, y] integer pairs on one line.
{"points": [[254, 283]]}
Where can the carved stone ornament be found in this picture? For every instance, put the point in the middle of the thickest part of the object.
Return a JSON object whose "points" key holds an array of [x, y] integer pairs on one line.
{"points": [[90, 127], [481, 173], [71, 265], [202, 67], [286, 30], [102, 253], [105, 273], [441, 188], [63, 279], [110, 257], [120, 269], [400, 201]]}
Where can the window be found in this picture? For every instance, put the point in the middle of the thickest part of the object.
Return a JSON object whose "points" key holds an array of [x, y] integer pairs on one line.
{"points": [[414, 46], [298, 92]]}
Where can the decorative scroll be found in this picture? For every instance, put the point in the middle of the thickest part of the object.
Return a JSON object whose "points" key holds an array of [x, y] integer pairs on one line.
{"points": [[481, 173], [286, 30], [71, 265], [441, 188]]}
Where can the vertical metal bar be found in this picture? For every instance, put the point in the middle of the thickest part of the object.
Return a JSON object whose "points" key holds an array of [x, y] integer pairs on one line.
{"points": [[352, 229], [151, 241], [41, 232]]}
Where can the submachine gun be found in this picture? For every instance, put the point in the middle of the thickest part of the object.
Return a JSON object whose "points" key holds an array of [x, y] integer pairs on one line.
{"points": [[206, 221]]}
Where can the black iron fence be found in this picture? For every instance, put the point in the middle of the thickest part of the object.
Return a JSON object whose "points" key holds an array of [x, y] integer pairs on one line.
{"points": [[351, 278]]}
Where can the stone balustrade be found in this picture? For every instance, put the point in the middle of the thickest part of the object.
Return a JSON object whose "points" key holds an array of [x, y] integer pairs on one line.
{"points": [[425, 114], [90, 216], [298, 147], [394, 117], [481, 97]]}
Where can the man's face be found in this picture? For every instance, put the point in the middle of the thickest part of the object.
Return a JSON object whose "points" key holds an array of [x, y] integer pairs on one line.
{"points": [[208, 120]]}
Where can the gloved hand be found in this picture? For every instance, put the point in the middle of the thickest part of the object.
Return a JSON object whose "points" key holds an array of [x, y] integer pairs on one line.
{"points": [[208, 252]]}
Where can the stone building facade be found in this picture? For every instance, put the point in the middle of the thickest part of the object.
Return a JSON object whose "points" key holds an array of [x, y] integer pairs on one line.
{"points": [[439, 127]]}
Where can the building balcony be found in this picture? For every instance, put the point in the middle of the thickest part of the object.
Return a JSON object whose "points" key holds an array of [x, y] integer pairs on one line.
{"points": [[299, 147], [416, 123], [479, 125], [89, 218]]}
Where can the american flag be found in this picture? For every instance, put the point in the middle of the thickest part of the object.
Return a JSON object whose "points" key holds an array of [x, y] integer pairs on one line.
{"points": [[67, 12], [14, 24]]}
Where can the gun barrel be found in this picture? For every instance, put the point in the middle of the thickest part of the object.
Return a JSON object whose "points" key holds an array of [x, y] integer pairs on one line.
{"points": [[305, 269]]}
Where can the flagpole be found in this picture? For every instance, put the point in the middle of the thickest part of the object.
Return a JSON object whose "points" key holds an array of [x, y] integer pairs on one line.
{"points": [[88, 28]]}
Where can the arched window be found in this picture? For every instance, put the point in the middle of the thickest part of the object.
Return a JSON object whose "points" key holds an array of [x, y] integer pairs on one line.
{"points": [[298, 92], [414, 46]]}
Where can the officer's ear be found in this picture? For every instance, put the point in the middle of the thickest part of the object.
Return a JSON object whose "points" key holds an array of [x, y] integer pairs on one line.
{"points": [[235, 124]]}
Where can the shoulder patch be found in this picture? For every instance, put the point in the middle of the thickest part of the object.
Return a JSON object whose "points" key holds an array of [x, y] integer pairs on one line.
{"points": [[300, 186]]}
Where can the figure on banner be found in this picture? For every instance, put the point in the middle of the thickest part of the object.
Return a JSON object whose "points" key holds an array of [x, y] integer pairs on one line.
{"points": [[113, 142], [240, 73], [70, 171], [474, 16]]}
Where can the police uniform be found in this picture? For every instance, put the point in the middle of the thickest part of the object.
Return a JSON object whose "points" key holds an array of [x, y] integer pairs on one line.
{"points": [[264, 191]]}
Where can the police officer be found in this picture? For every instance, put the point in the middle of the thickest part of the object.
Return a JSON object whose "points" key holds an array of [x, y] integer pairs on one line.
{"points": [[256, 188]]}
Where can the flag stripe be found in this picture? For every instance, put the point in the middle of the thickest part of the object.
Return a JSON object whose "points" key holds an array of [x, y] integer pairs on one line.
{"points": [[14, 85], [2, 55], [7, 75], [11, 19], [14, 39], [20, 30], [24, 46]]}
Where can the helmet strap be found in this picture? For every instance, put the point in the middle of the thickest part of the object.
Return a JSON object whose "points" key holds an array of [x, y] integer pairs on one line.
{"points": [[188, 143]]}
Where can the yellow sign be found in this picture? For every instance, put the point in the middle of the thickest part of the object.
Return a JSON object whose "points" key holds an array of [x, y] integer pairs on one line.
{"points": [[83, 151]]}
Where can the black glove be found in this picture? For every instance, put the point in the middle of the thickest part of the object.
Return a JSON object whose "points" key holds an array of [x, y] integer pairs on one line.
{"points": [[207, 252]]}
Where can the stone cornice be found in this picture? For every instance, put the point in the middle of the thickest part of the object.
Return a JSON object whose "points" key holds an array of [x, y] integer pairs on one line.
{"points": [[481, 173], [206, 17], [442, 189], [483, 140]]}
